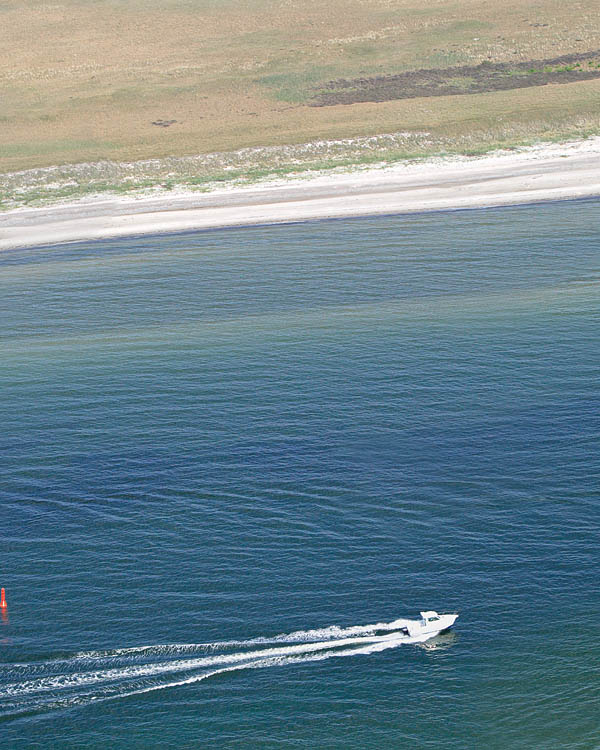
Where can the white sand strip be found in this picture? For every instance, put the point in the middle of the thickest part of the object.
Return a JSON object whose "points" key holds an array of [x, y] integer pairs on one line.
{"points": [[540, 173]]}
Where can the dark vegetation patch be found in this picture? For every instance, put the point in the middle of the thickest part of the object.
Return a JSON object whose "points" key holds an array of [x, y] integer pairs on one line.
{"points": [[466, 79], [164, 123]]}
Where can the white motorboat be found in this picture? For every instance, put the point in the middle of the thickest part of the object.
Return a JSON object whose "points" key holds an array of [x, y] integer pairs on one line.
{"points": [[430, 624]]}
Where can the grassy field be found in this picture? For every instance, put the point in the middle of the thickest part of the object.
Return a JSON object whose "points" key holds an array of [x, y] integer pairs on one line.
{"points": [[103, 80]]}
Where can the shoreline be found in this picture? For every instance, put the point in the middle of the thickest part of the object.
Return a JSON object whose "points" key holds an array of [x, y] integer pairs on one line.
{"points": [[545, 172]]}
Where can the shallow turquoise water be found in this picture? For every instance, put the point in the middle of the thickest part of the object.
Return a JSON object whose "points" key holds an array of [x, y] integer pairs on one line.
{"points": [[234, 435]]}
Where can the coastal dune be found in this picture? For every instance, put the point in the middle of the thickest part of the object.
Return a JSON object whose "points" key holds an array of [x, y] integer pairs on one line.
{"points": [[538, 173]]}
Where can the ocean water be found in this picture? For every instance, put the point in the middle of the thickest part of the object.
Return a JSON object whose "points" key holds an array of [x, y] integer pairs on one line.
{"points": [[230, 460]]}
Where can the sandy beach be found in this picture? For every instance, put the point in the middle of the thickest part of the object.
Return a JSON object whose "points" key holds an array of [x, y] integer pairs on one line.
{"points": [[538, 173]]}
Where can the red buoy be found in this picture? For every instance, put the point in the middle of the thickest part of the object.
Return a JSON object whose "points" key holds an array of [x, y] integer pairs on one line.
{"points": [[3, 604]]}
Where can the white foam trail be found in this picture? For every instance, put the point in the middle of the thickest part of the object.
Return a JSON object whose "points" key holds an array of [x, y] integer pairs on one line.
{"points": [[68, 683], [79, 679], [331, 632], [267, 662], [84, 699]]}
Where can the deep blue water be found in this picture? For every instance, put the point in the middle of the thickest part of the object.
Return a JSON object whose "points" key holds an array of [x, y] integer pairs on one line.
{"points": [[236, 435]]}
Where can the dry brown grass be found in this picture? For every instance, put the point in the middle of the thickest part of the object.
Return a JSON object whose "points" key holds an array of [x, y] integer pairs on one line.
{"points": [[84, 81]]}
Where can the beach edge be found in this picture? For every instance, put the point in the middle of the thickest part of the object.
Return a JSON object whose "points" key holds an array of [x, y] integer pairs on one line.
{"points": [[545, 172]]}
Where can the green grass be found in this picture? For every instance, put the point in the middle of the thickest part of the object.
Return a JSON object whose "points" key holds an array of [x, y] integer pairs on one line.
{"points": [[296, 88], [59, 146]]}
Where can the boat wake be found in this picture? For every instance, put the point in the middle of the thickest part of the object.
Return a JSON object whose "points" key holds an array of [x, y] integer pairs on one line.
{"points": [[92, 676]]}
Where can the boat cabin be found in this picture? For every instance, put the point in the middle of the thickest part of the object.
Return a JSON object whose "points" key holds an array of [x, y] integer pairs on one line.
{"points": [[430, 616]]}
